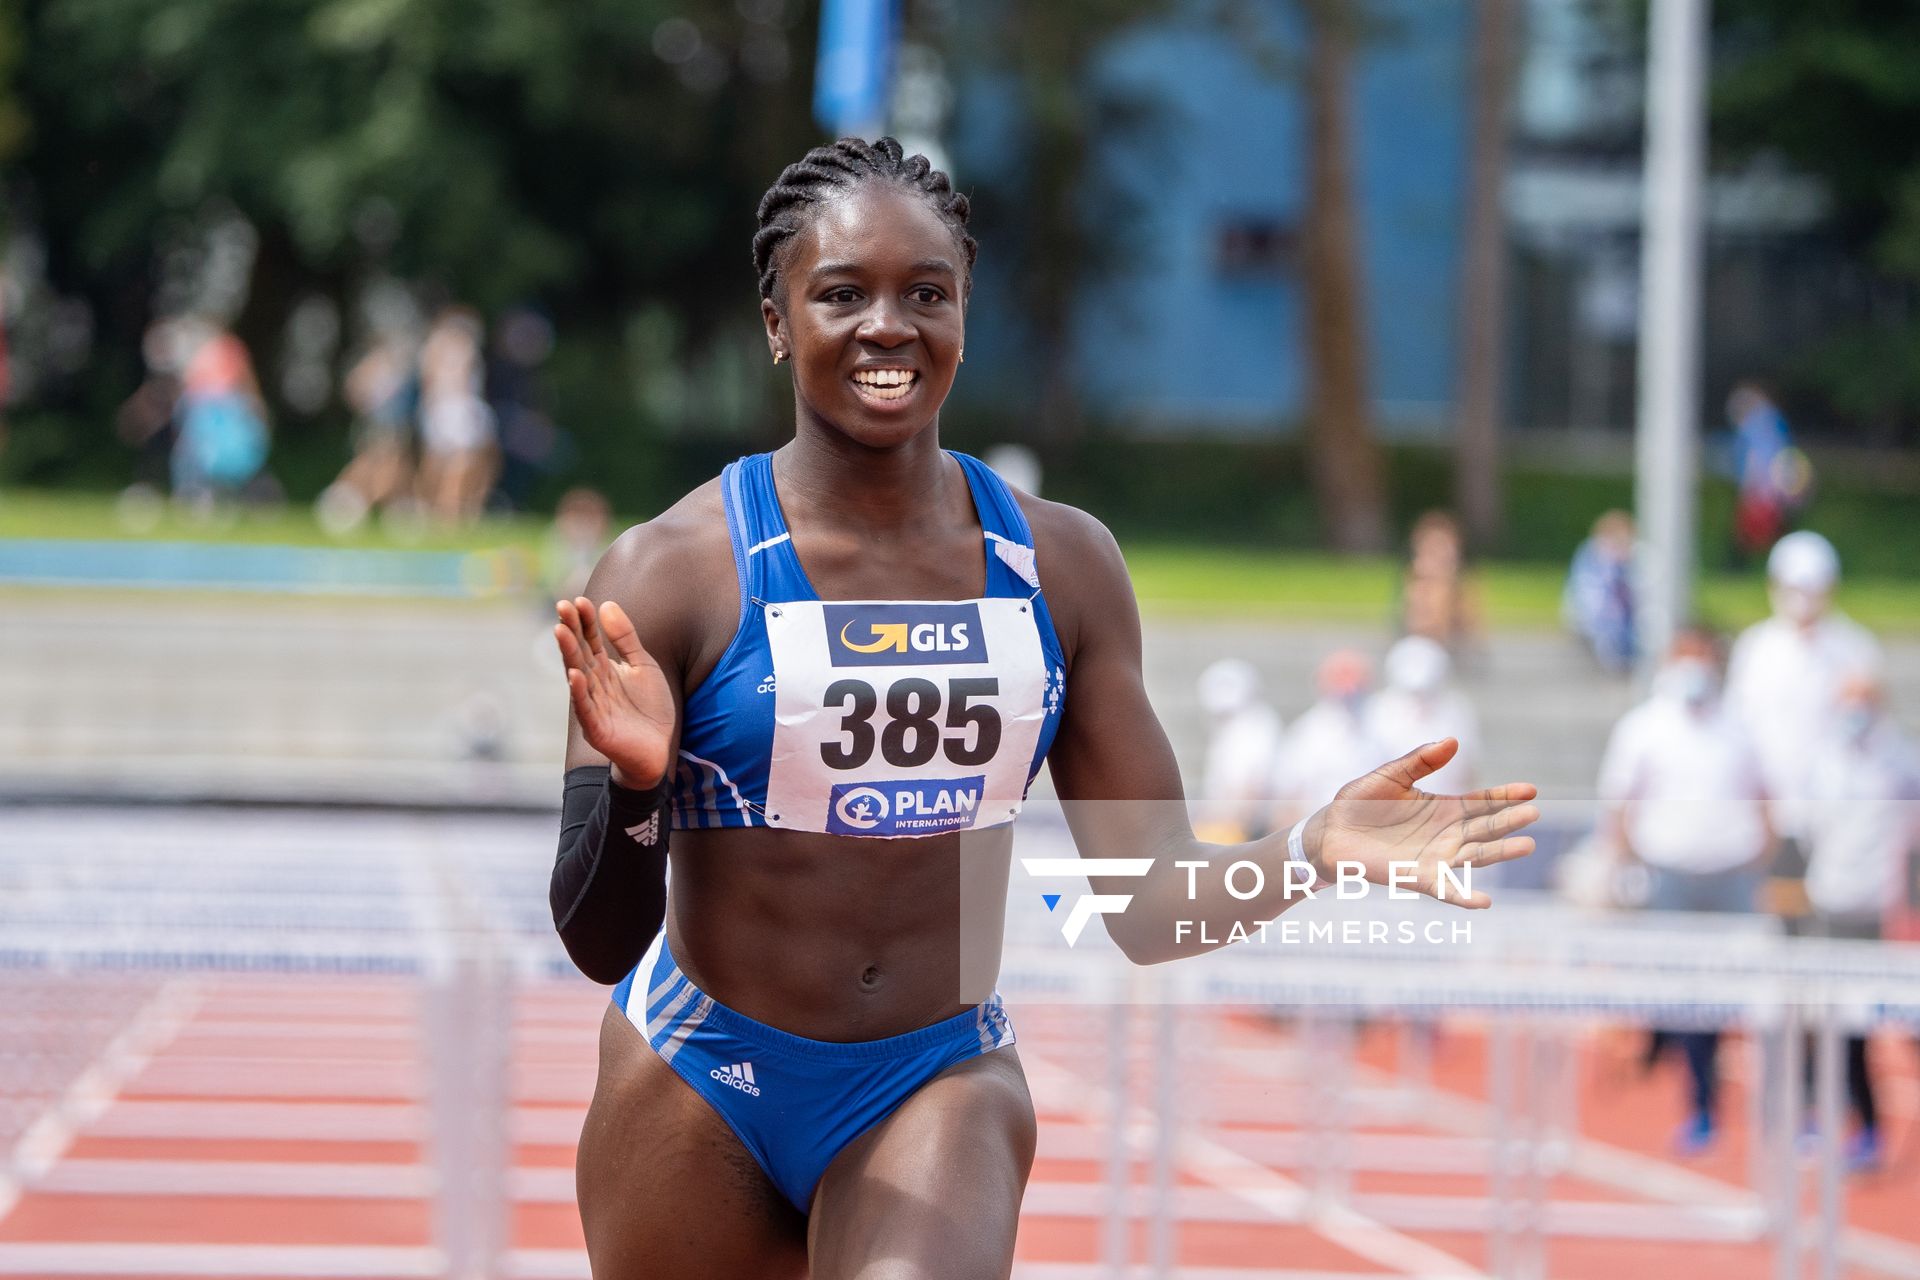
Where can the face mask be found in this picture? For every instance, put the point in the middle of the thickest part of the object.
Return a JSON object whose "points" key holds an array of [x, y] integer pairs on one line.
{"points": [[1856, 723], [1688, 680]]}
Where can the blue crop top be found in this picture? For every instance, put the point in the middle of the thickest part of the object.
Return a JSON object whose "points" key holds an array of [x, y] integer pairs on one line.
{"points": [[727, 736]]}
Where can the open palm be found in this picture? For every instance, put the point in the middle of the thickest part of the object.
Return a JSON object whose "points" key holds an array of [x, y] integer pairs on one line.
{"points": [[1386, 824], [620, 696]]}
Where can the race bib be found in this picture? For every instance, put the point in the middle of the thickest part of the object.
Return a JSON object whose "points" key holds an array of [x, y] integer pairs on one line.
{"points": [[902, 718]]}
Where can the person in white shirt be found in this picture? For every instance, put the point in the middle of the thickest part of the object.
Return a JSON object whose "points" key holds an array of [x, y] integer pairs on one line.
{"points": [[1323, 748], [1419, 705], [1681, 791], [1860, 817], [1243, 744], [1785, 674]]}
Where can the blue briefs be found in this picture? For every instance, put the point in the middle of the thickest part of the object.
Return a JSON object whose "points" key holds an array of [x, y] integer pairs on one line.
{"points": [[795, 1103]]}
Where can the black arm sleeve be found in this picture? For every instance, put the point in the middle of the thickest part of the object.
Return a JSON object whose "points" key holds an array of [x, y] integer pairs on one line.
{"points": [[609, 887]]}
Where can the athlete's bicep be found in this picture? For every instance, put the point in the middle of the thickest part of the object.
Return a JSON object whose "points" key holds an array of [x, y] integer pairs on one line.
{"points": [[1112, 765]]}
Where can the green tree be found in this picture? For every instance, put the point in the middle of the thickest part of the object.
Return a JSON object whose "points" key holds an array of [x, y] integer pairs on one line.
{"points": [[1054, 209], [1349, 471], [592, 156], [1314, 44], [1483, 273], [1832, 88]]}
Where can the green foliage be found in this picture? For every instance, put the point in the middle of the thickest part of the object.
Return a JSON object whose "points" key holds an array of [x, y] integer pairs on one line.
{"points": [[588, 157], [502, 148], [1832, 88], [1056, 210], [1256, 495]]}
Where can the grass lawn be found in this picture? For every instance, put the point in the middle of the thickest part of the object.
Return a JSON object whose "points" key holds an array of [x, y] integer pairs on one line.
{"points": [[28, 513], [1171, 577]]}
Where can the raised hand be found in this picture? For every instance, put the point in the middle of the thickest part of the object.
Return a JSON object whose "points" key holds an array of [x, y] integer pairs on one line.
{"points": [[621, 699], [1384, 822]]}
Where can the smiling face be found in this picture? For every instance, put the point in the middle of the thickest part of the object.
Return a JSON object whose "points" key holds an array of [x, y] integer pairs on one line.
{"points": [[871, 309]]}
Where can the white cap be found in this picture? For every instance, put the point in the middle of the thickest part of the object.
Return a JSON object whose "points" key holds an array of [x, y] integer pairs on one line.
{"points": [[1228, 685], [1417, 664], [1804, 560]]}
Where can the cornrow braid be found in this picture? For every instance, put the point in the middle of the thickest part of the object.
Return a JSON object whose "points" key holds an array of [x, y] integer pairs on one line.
{"points": [[826, 171]]}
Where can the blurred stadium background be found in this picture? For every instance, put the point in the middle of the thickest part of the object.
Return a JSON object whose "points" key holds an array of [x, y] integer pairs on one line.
{"points": [[1261, 282]]}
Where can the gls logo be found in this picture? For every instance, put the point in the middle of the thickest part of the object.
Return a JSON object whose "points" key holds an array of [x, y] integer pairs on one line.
{"points": [[876, 635], [1087, 906]]}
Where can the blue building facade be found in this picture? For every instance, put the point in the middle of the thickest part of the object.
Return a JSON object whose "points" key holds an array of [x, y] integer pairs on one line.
{"points": [[1199, 329]]}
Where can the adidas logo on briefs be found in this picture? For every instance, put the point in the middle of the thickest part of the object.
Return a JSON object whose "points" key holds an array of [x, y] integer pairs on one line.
{"points": [[739, 1075], [766, 686], [647, 832]]}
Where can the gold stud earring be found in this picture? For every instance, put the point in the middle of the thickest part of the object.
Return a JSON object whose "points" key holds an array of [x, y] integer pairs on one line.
{"points": [[778, 356], [963, 355]]}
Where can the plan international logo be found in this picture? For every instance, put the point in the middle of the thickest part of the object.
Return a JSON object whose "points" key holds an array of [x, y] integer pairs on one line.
{"points": [[904, 806], [887, 635]]}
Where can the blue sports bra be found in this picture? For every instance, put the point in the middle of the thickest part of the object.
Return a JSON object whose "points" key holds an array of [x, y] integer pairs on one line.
{"points": [[871, 718]]}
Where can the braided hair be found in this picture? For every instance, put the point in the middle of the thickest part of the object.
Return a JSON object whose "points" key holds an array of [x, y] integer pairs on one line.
{"points": [[827, 171]]}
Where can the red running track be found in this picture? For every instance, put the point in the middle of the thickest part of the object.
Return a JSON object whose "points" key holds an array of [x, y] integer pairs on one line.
{"points": [[281, 1127]]}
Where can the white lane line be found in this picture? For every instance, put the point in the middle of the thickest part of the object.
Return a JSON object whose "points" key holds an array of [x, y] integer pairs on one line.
{"points": [[321, 1262], [547, 1264], [1653, 1178], [317, 1121], [248, 1029], [257, 1078], [47, 1139], [338, 1121], [1099, 1271], [1279, 1197], [237, 1178]]}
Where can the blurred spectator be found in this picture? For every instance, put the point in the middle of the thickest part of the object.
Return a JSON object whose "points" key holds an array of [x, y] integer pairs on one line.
{"points": [[582, 525], [1771, 476], [1681, 792], [1437, 599], [222, 421], [145, 420], [1017, 464], [529, 441], [1328, 746], [1784, 683], [1418, 706], [1860, 827], [1243, 748], [1597, 604], [383, 390], [458, 454]]}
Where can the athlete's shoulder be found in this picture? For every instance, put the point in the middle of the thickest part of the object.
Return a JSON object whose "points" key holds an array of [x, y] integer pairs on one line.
{"points": [[673, 574], [686, 536], [1067, 537], [1082, 572]]}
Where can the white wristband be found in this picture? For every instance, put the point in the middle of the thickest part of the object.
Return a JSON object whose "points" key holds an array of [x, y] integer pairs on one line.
{"points": [[1297, 845]]}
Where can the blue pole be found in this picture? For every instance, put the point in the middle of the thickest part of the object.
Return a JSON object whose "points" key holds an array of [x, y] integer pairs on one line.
{"points": [[853, 75]]}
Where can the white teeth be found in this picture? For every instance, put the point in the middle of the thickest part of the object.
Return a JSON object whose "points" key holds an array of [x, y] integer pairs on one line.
{"points": [[885, 377]]}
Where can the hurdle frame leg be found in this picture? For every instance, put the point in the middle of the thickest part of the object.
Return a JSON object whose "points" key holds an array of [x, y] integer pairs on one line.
{"points": [[1832, 1189], [1786, 1136], [1116, 1241]]}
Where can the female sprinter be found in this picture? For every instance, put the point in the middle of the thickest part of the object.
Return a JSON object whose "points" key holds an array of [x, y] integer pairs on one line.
{"points": [[812, 674]]}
